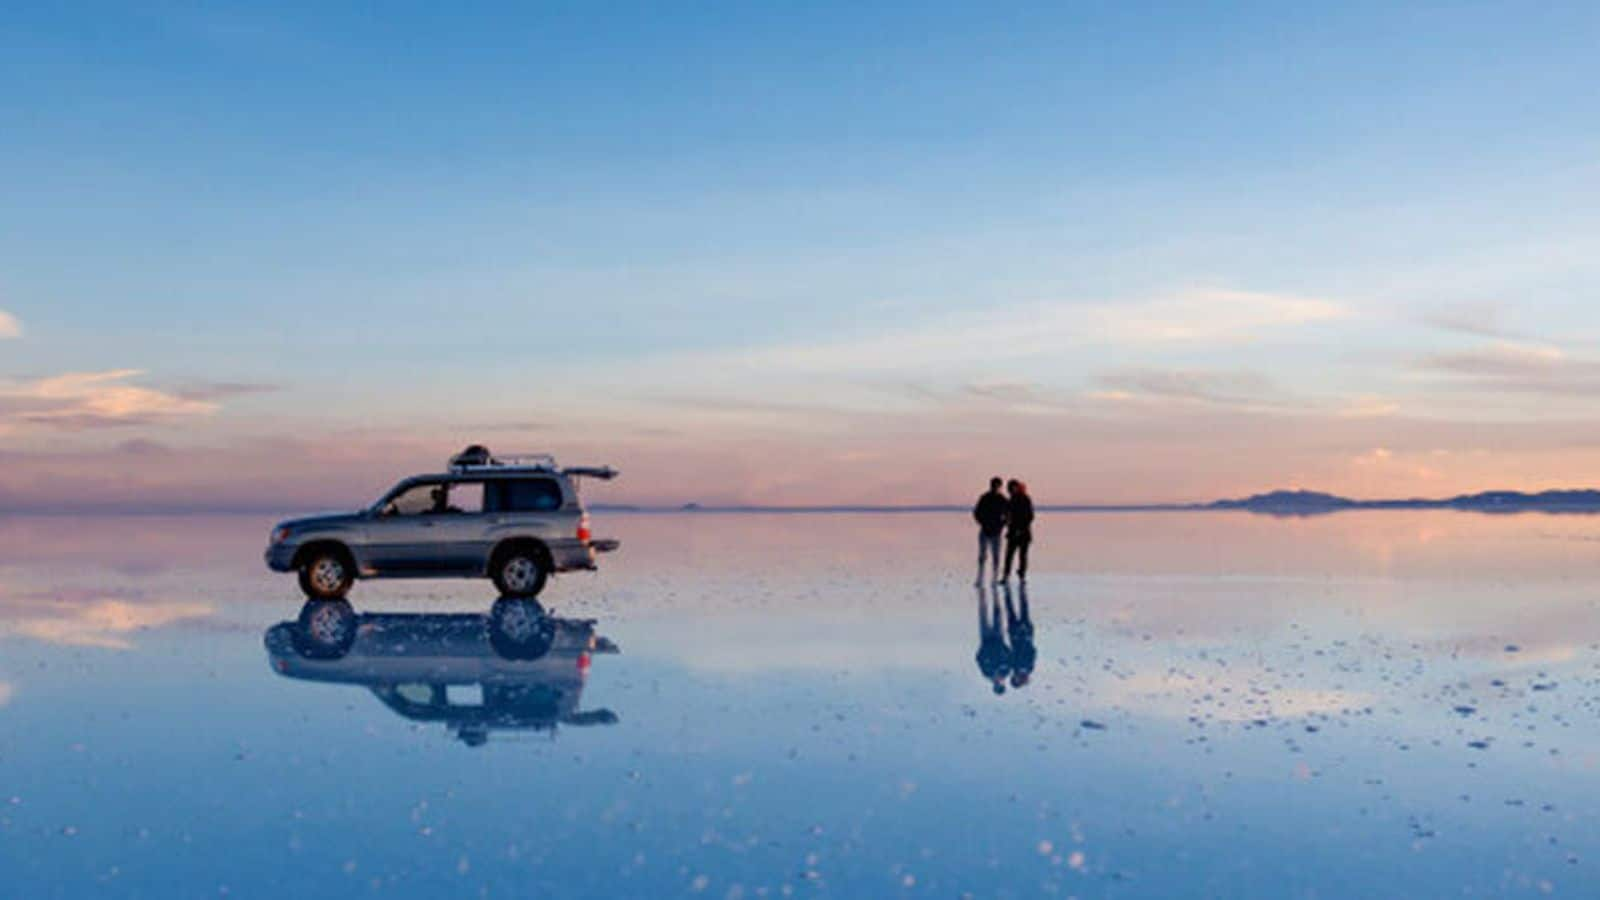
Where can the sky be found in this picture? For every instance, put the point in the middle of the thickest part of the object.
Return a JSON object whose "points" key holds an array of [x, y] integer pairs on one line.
{"points": [[280, 257]]}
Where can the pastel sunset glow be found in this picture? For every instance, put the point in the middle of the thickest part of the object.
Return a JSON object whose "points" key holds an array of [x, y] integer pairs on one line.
{"points": [[276, 259]]}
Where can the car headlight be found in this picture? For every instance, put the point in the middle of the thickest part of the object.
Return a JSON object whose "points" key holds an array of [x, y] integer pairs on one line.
{"points": [[279, 535]]}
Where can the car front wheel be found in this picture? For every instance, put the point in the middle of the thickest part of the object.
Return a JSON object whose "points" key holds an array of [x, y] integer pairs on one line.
{"points": [[520, 574], [326, 576], [326, 629]]}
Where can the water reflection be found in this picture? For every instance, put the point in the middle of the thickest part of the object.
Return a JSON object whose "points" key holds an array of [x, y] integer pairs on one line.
{"points": [[1417, 692], [994, 657], [516, 669], [1019, 629], [1006, 652]]}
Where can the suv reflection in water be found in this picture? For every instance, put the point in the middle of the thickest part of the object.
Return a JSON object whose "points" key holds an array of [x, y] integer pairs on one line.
{"points": [[530, 666]]}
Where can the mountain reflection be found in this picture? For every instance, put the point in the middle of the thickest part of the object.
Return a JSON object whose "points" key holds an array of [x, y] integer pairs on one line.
{"points": [[516, 669]]}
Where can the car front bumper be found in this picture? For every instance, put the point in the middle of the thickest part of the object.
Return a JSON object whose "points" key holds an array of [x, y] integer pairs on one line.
{"points": [[280, 557]]}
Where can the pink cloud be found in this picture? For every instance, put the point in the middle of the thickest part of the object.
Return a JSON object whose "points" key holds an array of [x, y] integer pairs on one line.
{"points": [[816, 456], [83, 400]]}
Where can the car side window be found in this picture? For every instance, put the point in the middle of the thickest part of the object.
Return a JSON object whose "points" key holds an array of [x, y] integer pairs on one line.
{"points": [[413, 501], [522, 495], [437, 498], [467, 496]]}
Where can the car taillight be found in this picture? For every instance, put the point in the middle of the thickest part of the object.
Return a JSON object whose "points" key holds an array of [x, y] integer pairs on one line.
{"points": [[583, 528]]}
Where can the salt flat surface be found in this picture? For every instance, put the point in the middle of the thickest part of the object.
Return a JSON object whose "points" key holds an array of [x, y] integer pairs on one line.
{"points": [[1370, 704]]}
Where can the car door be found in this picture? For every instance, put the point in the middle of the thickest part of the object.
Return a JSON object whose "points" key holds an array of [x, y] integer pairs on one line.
{"points": [[524, 506], [403, 538], [458, 533]]}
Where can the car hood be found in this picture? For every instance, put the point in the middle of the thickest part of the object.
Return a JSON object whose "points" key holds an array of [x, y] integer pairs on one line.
{"points": [[321, 522]]}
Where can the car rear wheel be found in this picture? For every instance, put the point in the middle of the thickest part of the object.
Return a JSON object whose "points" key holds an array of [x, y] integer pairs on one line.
{"points": [[520, 573], [326, 576]]}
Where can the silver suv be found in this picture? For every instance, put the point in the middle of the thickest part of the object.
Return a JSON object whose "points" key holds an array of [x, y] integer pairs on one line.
{"points": [[516, 519]]}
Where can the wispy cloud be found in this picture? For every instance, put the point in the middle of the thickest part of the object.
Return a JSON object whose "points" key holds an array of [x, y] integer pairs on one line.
{"points": [[1241, 389], [1373, 457], [1244, 392], [1499, 361], [1367, 407], [86, 400], [1519, 368], [1478, 319], [1199, 316], [507, 426], [214, 391], [9, 326]]}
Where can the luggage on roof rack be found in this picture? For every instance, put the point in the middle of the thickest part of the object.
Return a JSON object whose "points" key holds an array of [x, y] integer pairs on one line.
{"points": [[477, 458], [474, 455]]}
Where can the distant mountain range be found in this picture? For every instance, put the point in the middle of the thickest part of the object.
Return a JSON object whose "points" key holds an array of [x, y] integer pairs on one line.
{"points": [[1314, 503]]}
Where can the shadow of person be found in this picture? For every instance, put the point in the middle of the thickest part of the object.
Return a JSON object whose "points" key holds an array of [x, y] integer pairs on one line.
{"points": [[994, 657], [1019, 630], [517, 669]]}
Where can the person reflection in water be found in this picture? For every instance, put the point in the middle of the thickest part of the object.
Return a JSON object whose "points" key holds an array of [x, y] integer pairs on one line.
{"points": [[1019, 628], [994, 657], [1019, 528], [990, 513]]}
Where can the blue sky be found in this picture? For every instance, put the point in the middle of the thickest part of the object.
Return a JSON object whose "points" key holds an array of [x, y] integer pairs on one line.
{"points": [[714, 233]]}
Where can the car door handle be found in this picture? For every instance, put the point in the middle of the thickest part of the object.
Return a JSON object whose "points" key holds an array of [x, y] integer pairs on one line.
{"points": [[427, 524]]}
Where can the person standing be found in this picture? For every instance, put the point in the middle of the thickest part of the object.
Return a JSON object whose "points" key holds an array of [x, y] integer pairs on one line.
{"points": [[1019, 528], [990, 513]]}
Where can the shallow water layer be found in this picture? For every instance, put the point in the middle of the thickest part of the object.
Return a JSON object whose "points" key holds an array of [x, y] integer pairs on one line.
{"points": [[1217, 704]]}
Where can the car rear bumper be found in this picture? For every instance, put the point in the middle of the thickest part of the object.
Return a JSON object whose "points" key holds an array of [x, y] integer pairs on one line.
{"points": [[569, 555]]}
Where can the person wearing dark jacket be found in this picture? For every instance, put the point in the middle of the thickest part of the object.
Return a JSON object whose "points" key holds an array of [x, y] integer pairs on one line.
{"points": [[990, 513], [1019, 528]]}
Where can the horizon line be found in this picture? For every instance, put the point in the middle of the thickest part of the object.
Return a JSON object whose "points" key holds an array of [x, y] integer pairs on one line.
{"points": [[1218, 505]]}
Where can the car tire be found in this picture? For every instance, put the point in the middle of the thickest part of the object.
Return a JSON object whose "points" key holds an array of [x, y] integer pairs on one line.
{"points": [[326, 575], [520, 629], [326, 629], [520, 573]]}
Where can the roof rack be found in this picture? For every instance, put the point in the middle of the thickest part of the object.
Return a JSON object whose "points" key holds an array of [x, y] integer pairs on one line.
{"points": [[477, 458]]}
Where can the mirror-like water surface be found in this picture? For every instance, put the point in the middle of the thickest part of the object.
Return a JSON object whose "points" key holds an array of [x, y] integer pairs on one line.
{"points": [[1373, 704]]}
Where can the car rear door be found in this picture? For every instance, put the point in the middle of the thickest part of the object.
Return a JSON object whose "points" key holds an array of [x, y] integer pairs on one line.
{"points": [[531, 506]]}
